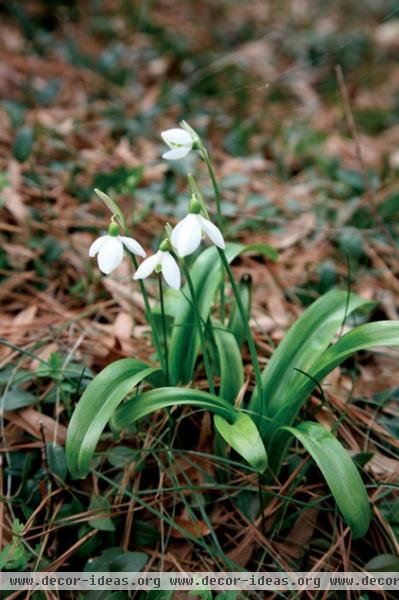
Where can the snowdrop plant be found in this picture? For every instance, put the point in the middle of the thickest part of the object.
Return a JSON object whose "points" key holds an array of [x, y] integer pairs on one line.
{"points": [[261, 430]]}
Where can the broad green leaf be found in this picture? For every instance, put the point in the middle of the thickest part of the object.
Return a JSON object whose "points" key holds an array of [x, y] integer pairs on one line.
{"points": [[15, 555], [201, 594], [15, 111], [243, 436], [240, 430], [383, 562], [369, 335], [230, 361], [145, 534], [101, 505], [102, 562], [8, 375], [128, 562], [148, 402], [235, 321], [114, 559], [206, 275], [340, 473], [263, 250], [56, 460], [112, 206], [16, 398], [306, 340], [23, 144], [95, 408], [160, 595], [381, 333], [121, 456]]}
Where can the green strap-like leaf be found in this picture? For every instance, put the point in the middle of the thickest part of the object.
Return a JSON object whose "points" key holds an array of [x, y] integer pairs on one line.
{"points": [[96, 406], [370, 335], [230, 361], [306, 340], [236, 428], [263, 250], [148, 402], [235, 321], [244, 437], [381, 333], [113, 207], [23, 144], [206, 275], [340, 473]]}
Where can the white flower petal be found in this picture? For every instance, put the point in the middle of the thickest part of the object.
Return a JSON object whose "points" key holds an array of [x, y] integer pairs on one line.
{"points": [[132, 245], [212, 232], [96, 245], [171, 271], [174, 136], [110, 255], [147, 266], [176, 153], [186, 236]]}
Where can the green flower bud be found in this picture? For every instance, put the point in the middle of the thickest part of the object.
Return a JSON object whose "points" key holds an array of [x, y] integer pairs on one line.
{"points": [[113, 229], [164, 246], [195, 206]]}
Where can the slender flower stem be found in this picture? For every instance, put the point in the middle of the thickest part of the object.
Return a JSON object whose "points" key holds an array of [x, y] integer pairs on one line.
{"points": [[171, 421], [216, 188], [207, 363], [165, 337], [150, 318], [222, 301], [247, 329], [261, 503], [218, 198]]}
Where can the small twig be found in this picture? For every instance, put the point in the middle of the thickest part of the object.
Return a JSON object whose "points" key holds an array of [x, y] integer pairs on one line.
{"points": [[136, 473], [1, 502], [352, 127], [57, 563], [65, 364], [45, 455], [362, 165], [262, 504]]}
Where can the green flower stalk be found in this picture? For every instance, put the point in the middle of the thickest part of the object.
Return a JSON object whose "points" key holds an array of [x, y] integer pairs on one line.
{"points": [[200, 146], [207, 364]]}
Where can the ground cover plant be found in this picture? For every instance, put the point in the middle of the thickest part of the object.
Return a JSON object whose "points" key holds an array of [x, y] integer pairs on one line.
{"points": [[215, 386]]}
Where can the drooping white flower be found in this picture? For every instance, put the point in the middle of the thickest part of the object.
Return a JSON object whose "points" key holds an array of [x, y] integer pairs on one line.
{"points": [[109, 249], [187, 234], [161, 262], [179, 141]]}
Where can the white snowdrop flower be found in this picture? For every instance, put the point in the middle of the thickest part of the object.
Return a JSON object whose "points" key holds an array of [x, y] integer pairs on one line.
{"points": [[109, 249], [161, 262], [187, 235], [179, 141]]}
